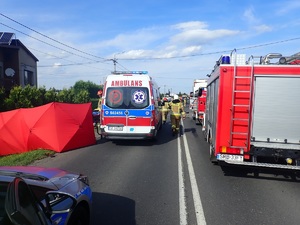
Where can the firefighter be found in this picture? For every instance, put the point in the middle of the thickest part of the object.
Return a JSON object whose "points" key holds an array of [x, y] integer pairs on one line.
{"points": [[176, 111], [165, 109], [97, 112], [99, 93]]}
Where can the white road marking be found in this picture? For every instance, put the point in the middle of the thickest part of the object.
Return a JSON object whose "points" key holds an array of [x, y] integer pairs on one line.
{"points": [[182, 202], [195, 191]]}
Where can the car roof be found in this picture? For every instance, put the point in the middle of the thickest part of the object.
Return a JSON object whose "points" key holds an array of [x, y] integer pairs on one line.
{"points": [[39, 176]]}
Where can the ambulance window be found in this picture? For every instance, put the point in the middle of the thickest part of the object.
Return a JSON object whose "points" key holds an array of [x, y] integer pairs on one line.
{"points": [[114, 97], [127, 98], [139, 98]]}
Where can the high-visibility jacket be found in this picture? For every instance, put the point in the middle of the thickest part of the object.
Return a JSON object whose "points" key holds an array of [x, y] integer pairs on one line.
{"points": [[100, 103], [176, 108], [165, 106]]}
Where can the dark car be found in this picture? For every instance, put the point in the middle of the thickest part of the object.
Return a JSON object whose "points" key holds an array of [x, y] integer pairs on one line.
{"points": [[37, 195]]}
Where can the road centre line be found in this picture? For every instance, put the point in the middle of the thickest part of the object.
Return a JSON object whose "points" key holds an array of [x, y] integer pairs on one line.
{"points": [[195, 190], [182, 202]]}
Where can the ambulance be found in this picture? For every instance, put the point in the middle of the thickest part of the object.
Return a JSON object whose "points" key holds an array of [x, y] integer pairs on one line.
{"points": [[130, 106]]}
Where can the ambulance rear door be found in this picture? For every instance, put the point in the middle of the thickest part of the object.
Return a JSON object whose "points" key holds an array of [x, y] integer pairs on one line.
{"points": [[127, 110]]}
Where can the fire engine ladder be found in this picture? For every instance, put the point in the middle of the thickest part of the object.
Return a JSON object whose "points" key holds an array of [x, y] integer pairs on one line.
{"points": [[241, 106]]}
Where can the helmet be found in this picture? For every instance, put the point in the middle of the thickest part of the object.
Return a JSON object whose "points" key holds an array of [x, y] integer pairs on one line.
{"points": [[99, 92], [165, 99], [175, 97]]}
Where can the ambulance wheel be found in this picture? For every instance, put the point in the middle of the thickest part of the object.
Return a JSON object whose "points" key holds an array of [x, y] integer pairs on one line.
{"points": [[153, 139], [160, 125]]}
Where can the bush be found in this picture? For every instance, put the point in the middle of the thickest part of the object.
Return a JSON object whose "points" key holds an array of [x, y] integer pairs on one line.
{"points": [[29, 96]]}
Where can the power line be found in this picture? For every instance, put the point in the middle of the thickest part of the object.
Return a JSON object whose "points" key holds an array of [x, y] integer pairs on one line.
{"points": [[136, 59], [217, 52], [73, 63], [53, 45], [124, 68], [52, 38], [46, 42]]}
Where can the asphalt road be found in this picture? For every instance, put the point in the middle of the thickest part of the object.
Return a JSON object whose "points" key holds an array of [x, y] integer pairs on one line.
{"points": [[172, 182]]}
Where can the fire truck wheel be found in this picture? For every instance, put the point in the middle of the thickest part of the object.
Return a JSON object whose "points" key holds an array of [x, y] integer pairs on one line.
{"points": [[213, 158]]}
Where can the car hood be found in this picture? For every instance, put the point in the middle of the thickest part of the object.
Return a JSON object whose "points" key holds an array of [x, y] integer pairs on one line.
{"points": [[56, 176]]}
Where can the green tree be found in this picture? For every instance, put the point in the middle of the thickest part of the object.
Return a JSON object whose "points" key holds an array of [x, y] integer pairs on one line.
{"points": [[9, 104], [66, 95], [82, 97], [89, 86], [51, 96], [26, 97], [34, 95]]}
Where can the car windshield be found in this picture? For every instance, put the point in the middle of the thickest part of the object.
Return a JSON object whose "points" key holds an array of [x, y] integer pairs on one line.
{"points": [[127, 97]]}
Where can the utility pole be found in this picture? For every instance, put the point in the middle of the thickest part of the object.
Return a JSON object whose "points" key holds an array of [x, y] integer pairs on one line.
{"points": [[115, 63], [115, 60]]}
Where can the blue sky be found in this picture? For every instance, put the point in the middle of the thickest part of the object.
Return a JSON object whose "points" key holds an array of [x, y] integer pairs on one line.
{"points": [[175, 41]]}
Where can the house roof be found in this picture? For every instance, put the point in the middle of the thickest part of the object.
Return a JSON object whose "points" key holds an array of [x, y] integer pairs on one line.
{"points": [[15, 43]]}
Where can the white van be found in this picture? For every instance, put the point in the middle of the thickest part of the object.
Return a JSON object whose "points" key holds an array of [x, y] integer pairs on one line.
{"points": [[130, 106]]}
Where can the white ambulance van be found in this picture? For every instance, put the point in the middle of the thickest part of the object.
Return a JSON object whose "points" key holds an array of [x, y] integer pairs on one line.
{"points": [[130, 106]]}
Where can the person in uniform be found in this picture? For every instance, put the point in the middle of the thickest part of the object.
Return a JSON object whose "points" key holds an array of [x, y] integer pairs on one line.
{"points": [[165, 109], [97, 112], [99, 93], [176, 111]]}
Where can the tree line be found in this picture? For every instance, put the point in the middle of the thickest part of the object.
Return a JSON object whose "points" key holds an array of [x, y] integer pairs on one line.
{"points": [[29, 96]]}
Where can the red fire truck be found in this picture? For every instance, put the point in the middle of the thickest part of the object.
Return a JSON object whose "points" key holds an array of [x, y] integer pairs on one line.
{"points": [[199, 85], [200, 105], [253, 111]]}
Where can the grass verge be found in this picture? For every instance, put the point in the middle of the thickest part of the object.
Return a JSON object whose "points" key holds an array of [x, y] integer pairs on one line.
{"points": [[26, 158]]}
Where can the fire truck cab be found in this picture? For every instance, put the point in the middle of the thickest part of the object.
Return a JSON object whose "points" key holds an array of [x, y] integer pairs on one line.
{"points": [[252, 111]]}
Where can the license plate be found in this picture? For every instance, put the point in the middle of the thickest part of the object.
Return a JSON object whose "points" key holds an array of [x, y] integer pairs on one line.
{"points": [[115, 128], [226, 157]]}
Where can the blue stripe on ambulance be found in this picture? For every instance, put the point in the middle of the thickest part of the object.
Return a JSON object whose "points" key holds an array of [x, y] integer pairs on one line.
{"points": [[147, 112]]}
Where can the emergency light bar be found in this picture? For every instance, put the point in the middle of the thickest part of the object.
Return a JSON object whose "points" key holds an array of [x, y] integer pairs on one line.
{"points": [[129, 72]]}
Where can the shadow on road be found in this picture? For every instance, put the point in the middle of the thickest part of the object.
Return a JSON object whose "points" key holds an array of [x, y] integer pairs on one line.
{"points": [[108, 209], [164, 135], [261, 173]]}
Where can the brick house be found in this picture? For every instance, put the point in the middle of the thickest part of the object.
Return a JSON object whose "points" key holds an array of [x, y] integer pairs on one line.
{"points": [[18, 66]]}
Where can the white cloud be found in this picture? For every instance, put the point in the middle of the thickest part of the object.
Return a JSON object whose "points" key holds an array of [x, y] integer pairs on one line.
{"points": [[167, 52], [191, 50], [135, 54], [56, 65], [263, 28], [254, 22], [192, 25], [249, 16], [180, 39], [197, 33], [140, 39]]}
